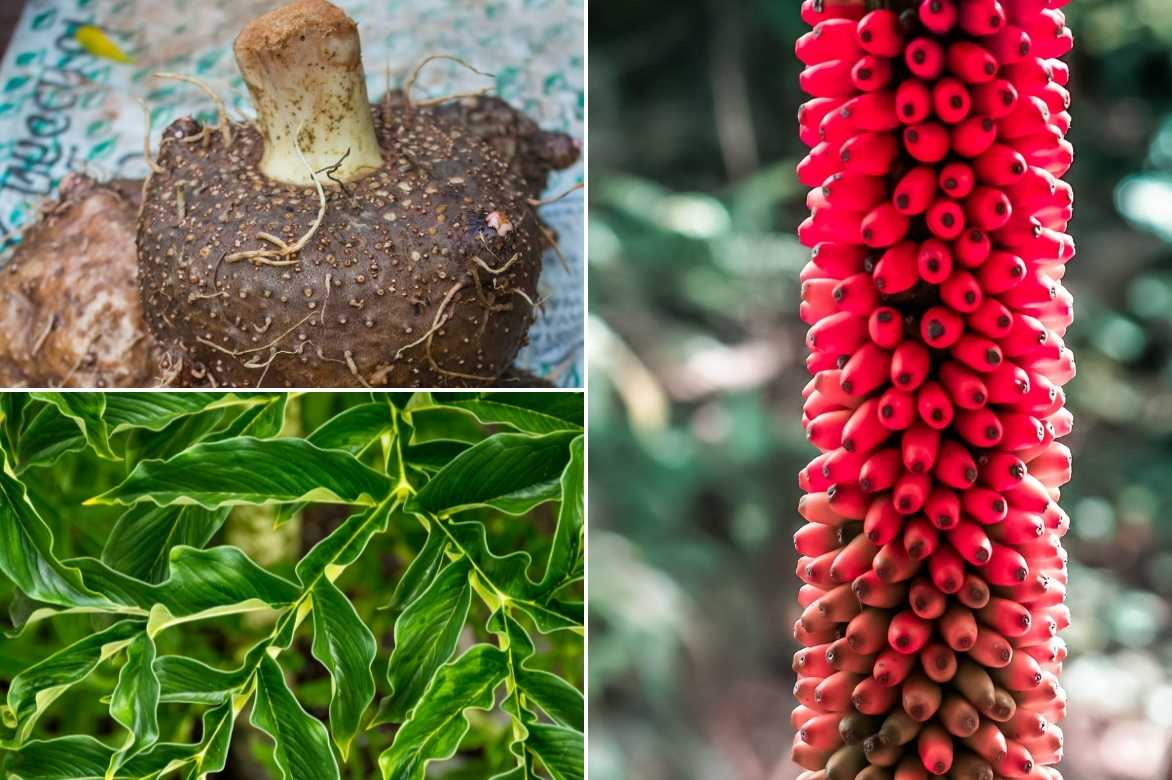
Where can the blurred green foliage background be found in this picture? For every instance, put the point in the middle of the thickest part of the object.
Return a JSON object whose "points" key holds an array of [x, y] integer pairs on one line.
{"points": [[696, 373]]}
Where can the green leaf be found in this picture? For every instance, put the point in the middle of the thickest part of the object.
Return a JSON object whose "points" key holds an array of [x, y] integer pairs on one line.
{"points": [[155, 411], [135, 701], [143, 444], [141, 541], [510, 472], [87, 410], [48, 436], [186, 680], [437, 723], [425, 638], [354, 430], [248, 470], [301, 744], [38, 686], [430, 424], [344, 544], [562, 702], [511, 409], [561, 750], [26, 553], [567, 541], [64, 758], [420, 573], [346, 648]]}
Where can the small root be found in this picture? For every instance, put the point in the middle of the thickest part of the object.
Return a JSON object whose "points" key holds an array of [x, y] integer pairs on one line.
{"points": [[496, 271], [238, 352], [181, 200], [553, 244], [409, 86], [354, 368], [225, 124], [329, 171], [40, 342], [146, 139], [535, 203], [273, 257]]}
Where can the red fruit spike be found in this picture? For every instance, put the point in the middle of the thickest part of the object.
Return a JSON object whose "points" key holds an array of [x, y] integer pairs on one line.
{"points": [[971, 63], [839, 334], [821, 732], [892, 667], [988, 208], [926, 600], [885, 327], [854, 193], [874, 592], [1009, 44], [815, 539], [957, 626], [955, 466], [995, 99], [971, 542], [980, 428], [934, 261], [873, 112], [897, 410], [866, 370], [1000, 470], [927, 142], [964, 387], [871, 73], [839, 260], [961, 292], [852, 561], [991, 319], [945, 219], [925, 58], [915, 191], [1022, 431], [830, 39], [938, 16], [934, 745], [941, 327], [920, 539], [957, 180], [870, 154], [913, 102], [984, 505], [834, 693], [864, 432], [910, 492], [856, 294], [920, 445], [871, 698], [1006, 566], [907, 633], [884, 226], [1005, 616], [892, 564], [972, 248], [1029, 116], [896, 270], [992, 651], [825, 430], [934, 405], [910, 364], [828, 79], [867, 632], [979, 354], [881, 33], [880, 471], [974, 594], [973, 136], [981, 18], [816, 11], [951, 100]]}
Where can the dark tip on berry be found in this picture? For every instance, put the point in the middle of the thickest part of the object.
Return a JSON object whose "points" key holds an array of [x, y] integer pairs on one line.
{"points": [[987, 124], [918, 467], [970, 475], [868, 234], [905, 503], [970, 297], [845, 156], [935, 330], [913, 136], [908, 109], [1004, 321], [865, 36], [994, 21], [1017, 471], [1000, 208], [992, 357], [865, 485], [999, 505], [978, 397], [847, 386], [948, 220], [880, 284], [990, 68], [839, 293], [902, 201], [976, 236], [937, 415], [887, 411], [904, 379], [840, 361], [849, 446], [933, 265], [919, 56], [864, 74], [1017, 270], [950, 184], [991, 432], [956, 102], [884, 316], [1024, 49]]}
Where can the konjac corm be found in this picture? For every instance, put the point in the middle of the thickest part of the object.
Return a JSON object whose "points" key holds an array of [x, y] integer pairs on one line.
{"points": [[934, 573]]}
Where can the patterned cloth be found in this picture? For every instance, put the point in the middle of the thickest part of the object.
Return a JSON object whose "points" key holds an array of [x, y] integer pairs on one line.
{"points": [[64, 109]]}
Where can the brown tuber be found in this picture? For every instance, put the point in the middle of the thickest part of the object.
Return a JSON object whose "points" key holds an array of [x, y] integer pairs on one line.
{"points": [[337, 243]]}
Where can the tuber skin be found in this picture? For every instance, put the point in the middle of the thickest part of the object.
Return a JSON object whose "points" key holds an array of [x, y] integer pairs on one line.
{"points": [[69, 309], [418, 270]]}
